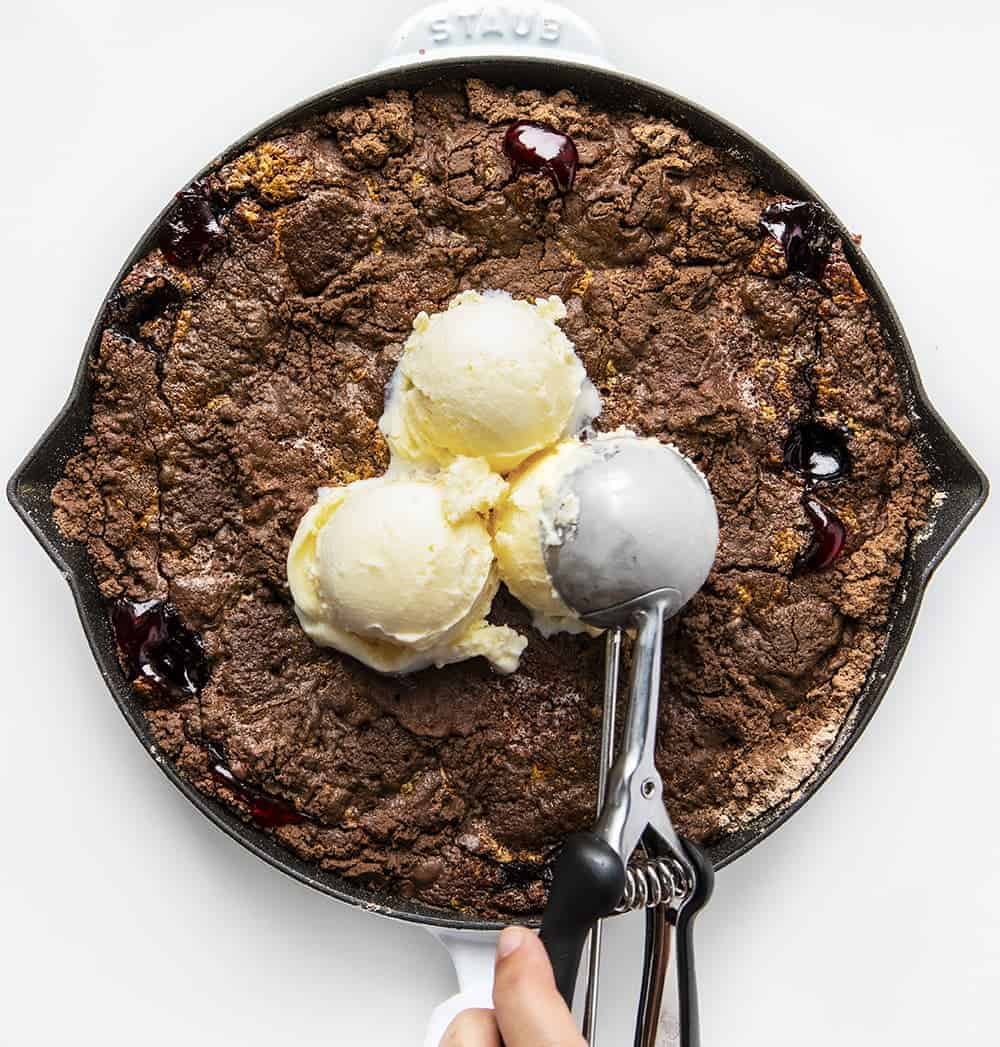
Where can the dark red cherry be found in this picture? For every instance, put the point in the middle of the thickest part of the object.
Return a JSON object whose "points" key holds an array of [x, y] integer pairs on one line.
{"points": [[829, 536], [537, 147], [158, 648], [817, 452], [267, 811], [524, 874], [189, 230], [805, 232]]}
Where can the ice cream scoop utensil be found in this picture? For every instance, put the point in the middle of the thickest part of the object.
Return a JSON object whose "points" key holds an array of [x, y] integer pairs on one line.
{"points": [[640, 543], [612, 661]]}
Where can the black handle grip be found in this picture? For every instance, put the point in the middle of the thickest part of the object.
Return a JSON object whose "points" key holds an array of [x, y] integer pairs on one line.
{"points": [[588, 882], [704, 881]]}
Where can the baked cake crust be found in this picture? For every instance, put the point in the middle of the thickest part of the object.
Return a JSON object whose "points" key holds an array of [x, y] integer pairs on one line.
{"points": [[226, 391]]}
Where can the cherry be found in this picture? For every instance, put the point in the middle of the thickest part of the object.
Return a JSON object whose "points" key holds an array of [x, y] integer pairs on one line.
{"points": [[267, 811], [817, 452], [805, 232], [538, 147], [829, 536], [189, 230], [158, 649], [524, 874]]}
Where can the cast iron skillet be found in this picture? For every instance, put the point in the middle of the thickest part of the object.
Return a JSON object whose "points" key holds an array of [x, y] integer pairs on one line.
{"points": [[955, 474]]}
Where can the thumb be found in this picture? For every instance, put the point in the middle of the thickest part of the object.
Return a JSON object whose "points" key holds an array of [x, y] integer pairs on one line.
{"points": [[529, 1010]]}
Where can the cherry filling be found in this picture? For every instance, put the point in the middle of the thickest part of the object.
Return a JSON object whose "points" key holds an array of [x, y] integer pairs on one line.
{"points": [[190, 229], [158, 648], [817, 452], [537, 147], [805, 232], [523, 874], [267, 811], [829, 536]]}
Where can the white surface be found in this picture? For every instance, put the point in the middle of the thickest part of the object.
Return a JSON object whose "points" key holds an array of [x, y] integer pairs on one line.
{"points": [[130, 919]]}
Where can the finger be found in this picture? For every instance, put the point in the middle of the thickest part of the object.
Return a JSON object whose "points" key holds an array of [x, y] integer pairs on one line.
{"points": [[529, 1009], [472, 1028]]}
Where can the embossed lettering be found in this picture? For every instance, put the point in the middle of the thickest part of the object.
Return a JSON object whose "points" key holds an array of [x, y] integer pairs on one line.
{"points": [[523, 24], [440, 30], [489, 25], [469, 23]]}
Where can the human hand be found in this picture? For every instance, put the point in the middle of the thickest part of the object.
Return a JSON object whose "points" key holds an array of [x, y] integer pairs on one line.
{"points": [[529, 1010]]}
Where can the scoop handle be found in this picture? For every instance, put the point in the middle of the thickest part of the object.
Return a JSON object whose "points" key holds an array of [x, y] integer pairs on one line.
{"points": [[668, 977], [588, 882], [687, 986]]}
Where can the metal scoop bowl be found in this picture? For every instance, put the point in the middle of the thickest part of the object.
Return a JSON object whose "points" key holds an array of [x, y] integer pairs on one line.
{"points": [[644, 534], [637, 542]]}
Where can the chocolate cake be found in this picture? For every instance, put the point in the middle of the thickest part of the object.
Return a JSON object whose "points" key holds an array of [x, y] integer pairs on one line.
{"points": [[242, 366]]}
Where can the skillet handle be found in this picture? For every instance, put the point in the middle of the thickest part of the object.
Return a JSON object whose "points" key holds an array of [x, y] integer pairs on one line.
{"points": [[472, 955], [457, 30], [588, 882]]}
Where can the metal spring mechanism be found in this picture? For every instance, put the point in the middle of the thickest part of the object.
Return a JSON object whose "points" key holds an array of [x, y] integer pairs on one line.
{"points": [[653, 882]]}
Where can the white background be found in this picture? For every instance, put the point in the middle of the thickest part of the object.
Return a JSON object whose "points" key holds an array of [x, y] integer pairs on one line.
{"points": [[872, 918]]}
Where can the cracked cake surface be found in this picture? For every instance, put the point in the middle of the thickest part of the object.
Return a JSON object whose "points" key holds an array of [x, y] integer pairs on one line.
{"points": [[232, 382]]}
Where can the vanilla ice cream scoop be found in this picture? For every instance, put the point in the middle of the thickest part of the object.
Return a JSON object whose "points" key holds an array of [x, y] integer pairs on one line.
{"points": [[491, 377], [400, 573], [525, 521]]}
